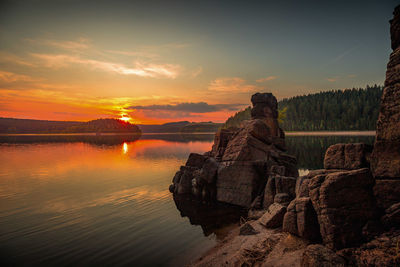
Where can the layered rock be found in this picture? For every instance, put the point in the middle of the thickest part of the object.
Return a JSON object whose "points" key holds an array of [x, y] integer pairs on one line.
{"points": [[242, 161], [385, 159], [347, 156], [332, 205]]}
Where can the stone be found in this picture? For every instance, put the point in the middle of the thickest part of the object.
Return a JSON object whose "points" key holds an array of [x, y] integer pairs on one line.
{"points": [[273, 218], [317, 255], [385, 158], [245, 147], [209, 171], [241, 161], [247, 229], [302, 182], [285, 185], [392, 216], [283, 199], [382, 251], [301, 220], [238, 183], [269, 192], [395, 28], [195, 160], [347, 156], [387, 193], [344, 203], [221, 139], [278, 185]]}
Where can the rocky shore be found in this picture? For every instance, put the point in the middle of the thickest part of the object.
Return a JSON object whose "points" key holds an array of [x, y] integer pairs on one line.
{"points": [[347, 214]]}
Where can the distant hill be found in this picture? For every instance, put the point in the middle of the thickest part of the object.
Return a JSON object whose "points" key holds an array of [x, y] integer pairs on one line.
{"points": [[336, 110], [25, 126], [181, 127]]}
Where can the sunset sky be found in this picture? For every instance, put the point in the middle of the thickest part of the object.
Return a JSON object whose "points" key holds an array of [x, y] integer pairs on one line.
{"points": [[163, 61]]}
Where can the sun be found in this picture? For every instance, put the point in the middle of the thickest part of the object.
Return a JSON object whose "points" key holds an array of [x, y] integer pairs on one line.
{"points": [[125, 119]]}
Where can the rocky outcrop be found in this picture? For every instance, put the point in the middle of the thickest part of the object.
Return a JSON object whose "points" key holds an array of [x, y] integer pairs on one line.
{"points": [[332, 205], [385, 159], [344, 203], [242, 161], [347, 156], [301, 220]]}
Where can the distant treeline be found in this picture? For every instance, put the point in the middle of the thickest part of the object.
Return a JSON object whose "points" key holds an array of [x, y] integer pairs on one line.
{"points": [[182, 127], [24, 126], [351, 109]]}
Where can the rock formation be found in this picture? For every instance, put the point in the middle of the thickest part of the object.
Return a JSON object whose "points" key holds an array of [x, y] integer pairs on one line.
{"points": [[351, 208], [385, 158], [242, 161]]}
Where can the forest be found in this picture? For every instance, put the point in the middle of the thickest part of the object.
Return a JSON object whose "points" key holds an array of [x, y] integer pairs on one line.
{"points": [[25, 126], [336, 110]]}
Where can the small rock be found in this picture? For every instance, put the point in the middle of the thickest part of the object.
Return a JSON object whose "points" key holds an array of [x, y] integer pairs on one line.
{"points": [[247, 229], [273, 218]]}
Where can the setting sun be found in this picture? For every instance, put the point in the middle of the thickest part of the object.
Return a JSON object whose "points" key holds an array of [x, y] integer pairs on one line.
{"points": [[125, 119]]}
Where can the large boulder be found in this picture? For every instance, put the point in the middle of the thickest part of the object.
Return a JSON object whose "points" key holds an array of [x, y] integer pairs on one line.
{"points": [[385, 158], [301, 220], [238, 183], [387, 192], [273, 218], [344, 203], [347, 156]]}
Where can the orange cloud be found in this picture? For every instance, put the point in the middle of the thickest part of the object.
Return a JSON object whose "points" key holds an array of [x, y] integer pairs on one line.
{"points": [[141, 69], [266, 79], [231, 84], [10, 77]]}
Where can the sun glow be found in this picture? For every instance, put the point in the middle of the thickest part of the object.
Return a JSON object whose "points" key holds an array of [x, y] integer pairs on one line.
{"points": [[125, 119], [125, 148]]}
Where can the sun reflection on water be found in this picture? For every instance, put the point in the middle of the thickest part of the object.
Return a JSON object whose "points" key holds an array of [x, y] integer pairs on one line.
{"points": [[125, 148]]}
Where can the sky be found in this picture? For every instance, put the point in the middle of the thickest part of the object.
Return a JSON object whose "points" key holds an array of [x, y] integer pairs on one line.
{"points": [[163, 61]]}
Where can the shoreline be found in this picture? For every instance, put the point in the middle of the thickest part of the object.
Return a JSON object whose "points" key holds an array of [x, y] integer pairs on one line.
{"points": [[294, 133]]}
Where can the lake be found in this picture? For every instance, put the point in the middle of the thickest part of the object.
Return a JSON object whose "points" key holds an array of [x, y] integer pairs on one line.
{"points": [[104, 200]]}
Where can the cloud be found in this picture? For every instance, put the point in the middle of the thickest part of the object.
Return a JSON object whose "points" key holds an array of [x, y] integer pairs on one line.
{"points": [[266, 79], [11, 58], [199, 107], [331, 80], [79, 44], [231, 84], [140, 69], [10, 77], [196, 72]]}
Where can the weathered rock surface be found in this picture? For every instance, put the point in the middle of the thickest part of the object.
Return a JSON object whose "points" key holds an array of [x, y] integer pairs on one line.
{"points": [[387, 192], [279, 185], [385, 158], [318, 255], [273, 218], [392, 216], [301, 220], [383, 251], [241, 162], [347, 156], [344, 203]]}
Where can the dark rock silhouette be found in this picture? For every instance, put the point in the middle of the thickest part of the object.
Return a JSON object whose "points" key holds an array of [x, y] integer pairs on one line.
{"points": [[241, 162]]}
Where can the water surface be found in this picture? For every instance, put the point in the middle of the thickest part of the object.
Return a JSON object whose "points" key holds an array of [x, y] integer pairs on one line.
{"points": [[104, 200]]}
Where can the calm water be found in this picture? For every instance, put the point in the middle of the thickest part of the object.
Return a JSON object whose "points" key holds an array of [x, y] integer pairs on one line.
{"points": [[70, 201]]}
